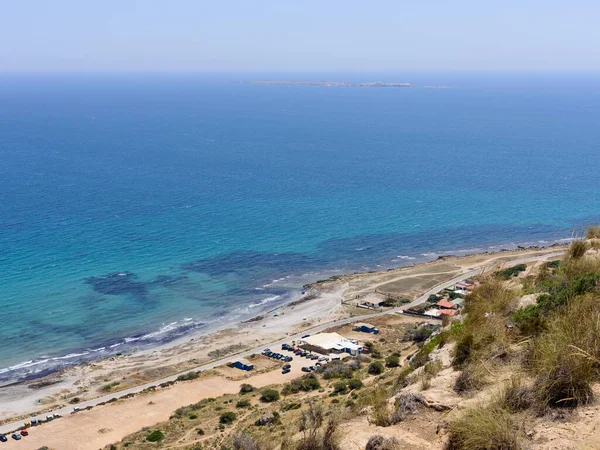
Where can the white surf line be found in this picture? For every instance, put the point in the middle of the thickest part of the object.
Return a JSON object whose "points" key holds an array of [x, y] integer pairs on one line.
{"points": [[64, 411]]}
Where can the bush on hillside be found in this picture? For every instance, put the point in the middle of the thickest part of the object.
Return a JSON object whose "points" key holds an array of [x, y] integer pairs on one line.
{"points": [[354, 383], [392, 361], [246, 388], [227, 417], [269, 395], [242, 404], [192, 375], [529, 320], [155, 436], [510, 272], [376, 368], [382, 443]]}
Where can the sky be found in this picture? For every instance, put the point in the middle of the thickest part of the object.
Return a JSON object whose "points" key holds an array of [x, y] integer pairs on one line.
{"points": [[300, 35]]}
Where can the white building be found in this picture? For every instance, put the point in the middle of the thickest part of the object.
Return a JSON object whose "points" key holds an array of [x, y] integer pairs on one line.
{"points": [[327, 343]]}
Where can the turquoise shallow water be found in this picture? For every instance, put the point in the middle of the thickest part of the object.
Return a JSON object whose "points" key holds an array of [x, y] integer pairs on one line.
{"points": [[134, 209]]}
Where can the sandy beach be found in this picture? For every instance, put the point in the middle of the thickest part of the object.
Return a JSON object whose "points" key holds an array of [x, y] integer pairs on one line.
{"points": [[334, 305]]}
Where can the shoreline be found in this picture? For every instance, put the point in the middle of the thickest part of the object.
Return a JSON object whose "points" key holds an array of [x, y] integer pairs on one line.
{"points": [[142, 344], [172, 358]]}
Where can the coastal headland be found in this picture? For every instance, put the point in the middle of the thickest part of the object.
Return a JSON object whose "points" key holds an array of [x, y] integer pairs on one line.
{"points": [[328, 305]]}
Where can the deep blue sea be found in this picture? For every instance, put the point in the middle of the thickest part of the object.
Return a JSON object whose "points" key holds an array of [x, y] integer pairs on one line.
{"points": [[136, 208]]}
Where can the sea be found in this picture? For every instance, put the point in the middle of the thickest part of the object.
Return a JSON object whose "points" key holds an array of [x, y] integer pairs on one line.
{"points": [[139, 208]]}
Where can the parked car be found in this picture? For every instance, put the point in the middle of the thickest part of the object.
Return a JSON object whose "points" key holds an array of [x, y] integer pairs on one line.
{"points": [[305, 369], [16, 436], [287, 366], [3, 438], [313, 357], [323, 358], [288, 358], [305, 336], [24, 433], [312, 368], [284, 371]]}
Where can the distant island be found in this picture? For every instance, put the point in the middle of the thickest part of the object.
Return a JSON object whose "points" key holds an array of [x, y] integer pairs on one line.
{"points": [[328, 83]]}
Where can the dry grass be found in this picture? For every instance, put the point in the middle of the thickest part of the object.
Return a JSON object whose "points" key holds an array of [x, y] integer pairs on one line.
{"points": [[566, 356], [484, 336], [472, 378], [515, 395], [482, 428], [577, 249], [593, 232]]}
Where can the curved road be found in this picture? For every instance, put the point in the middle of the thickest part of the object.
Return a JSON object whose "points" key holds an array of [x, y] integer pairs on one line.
{"points": [[10, 427]]}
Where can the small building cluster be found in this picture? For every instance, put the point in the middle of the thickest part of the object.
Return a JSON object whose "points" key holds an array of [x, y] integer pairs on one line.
{"points": [[328, 343], [448, 302]]}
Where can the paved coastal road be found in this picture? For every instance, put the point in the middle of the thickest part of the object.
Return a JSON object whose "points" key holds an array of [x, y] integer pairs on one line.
{"points": [[9, 427]]}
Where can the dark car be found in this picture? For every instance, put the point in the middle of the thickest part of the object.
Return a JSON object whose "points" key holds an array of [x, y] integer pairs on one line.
{"points": [[284, 371], [305, 336], [305, 369], [24, 433], [3, 438], [16, 436], [287, 366], [288, 358]]}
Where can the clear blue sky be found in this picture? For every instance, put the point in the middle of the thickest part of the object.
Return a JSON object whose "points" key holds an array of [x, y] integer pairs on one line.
{"points": [[308, 35]]}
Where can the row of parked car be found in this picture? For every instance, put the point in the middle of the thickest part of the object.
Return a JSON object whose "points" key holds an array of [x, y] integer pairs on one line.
{"points": [[303, 353], [267, 352], [15, 436]]}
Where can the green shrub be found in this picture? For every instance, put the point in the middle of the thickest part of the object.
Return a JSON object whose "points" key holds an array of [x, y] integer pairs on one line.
{"points": [[108, 387], [155, 436], [306, 383], [341, 387], [242, 404], [337, 369], [529, 320], [192, 375], [375, 368], [511, 272], [246, 388], [193, 416], [269, 395], [354, 383], [227, 417], [392, 361]]}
